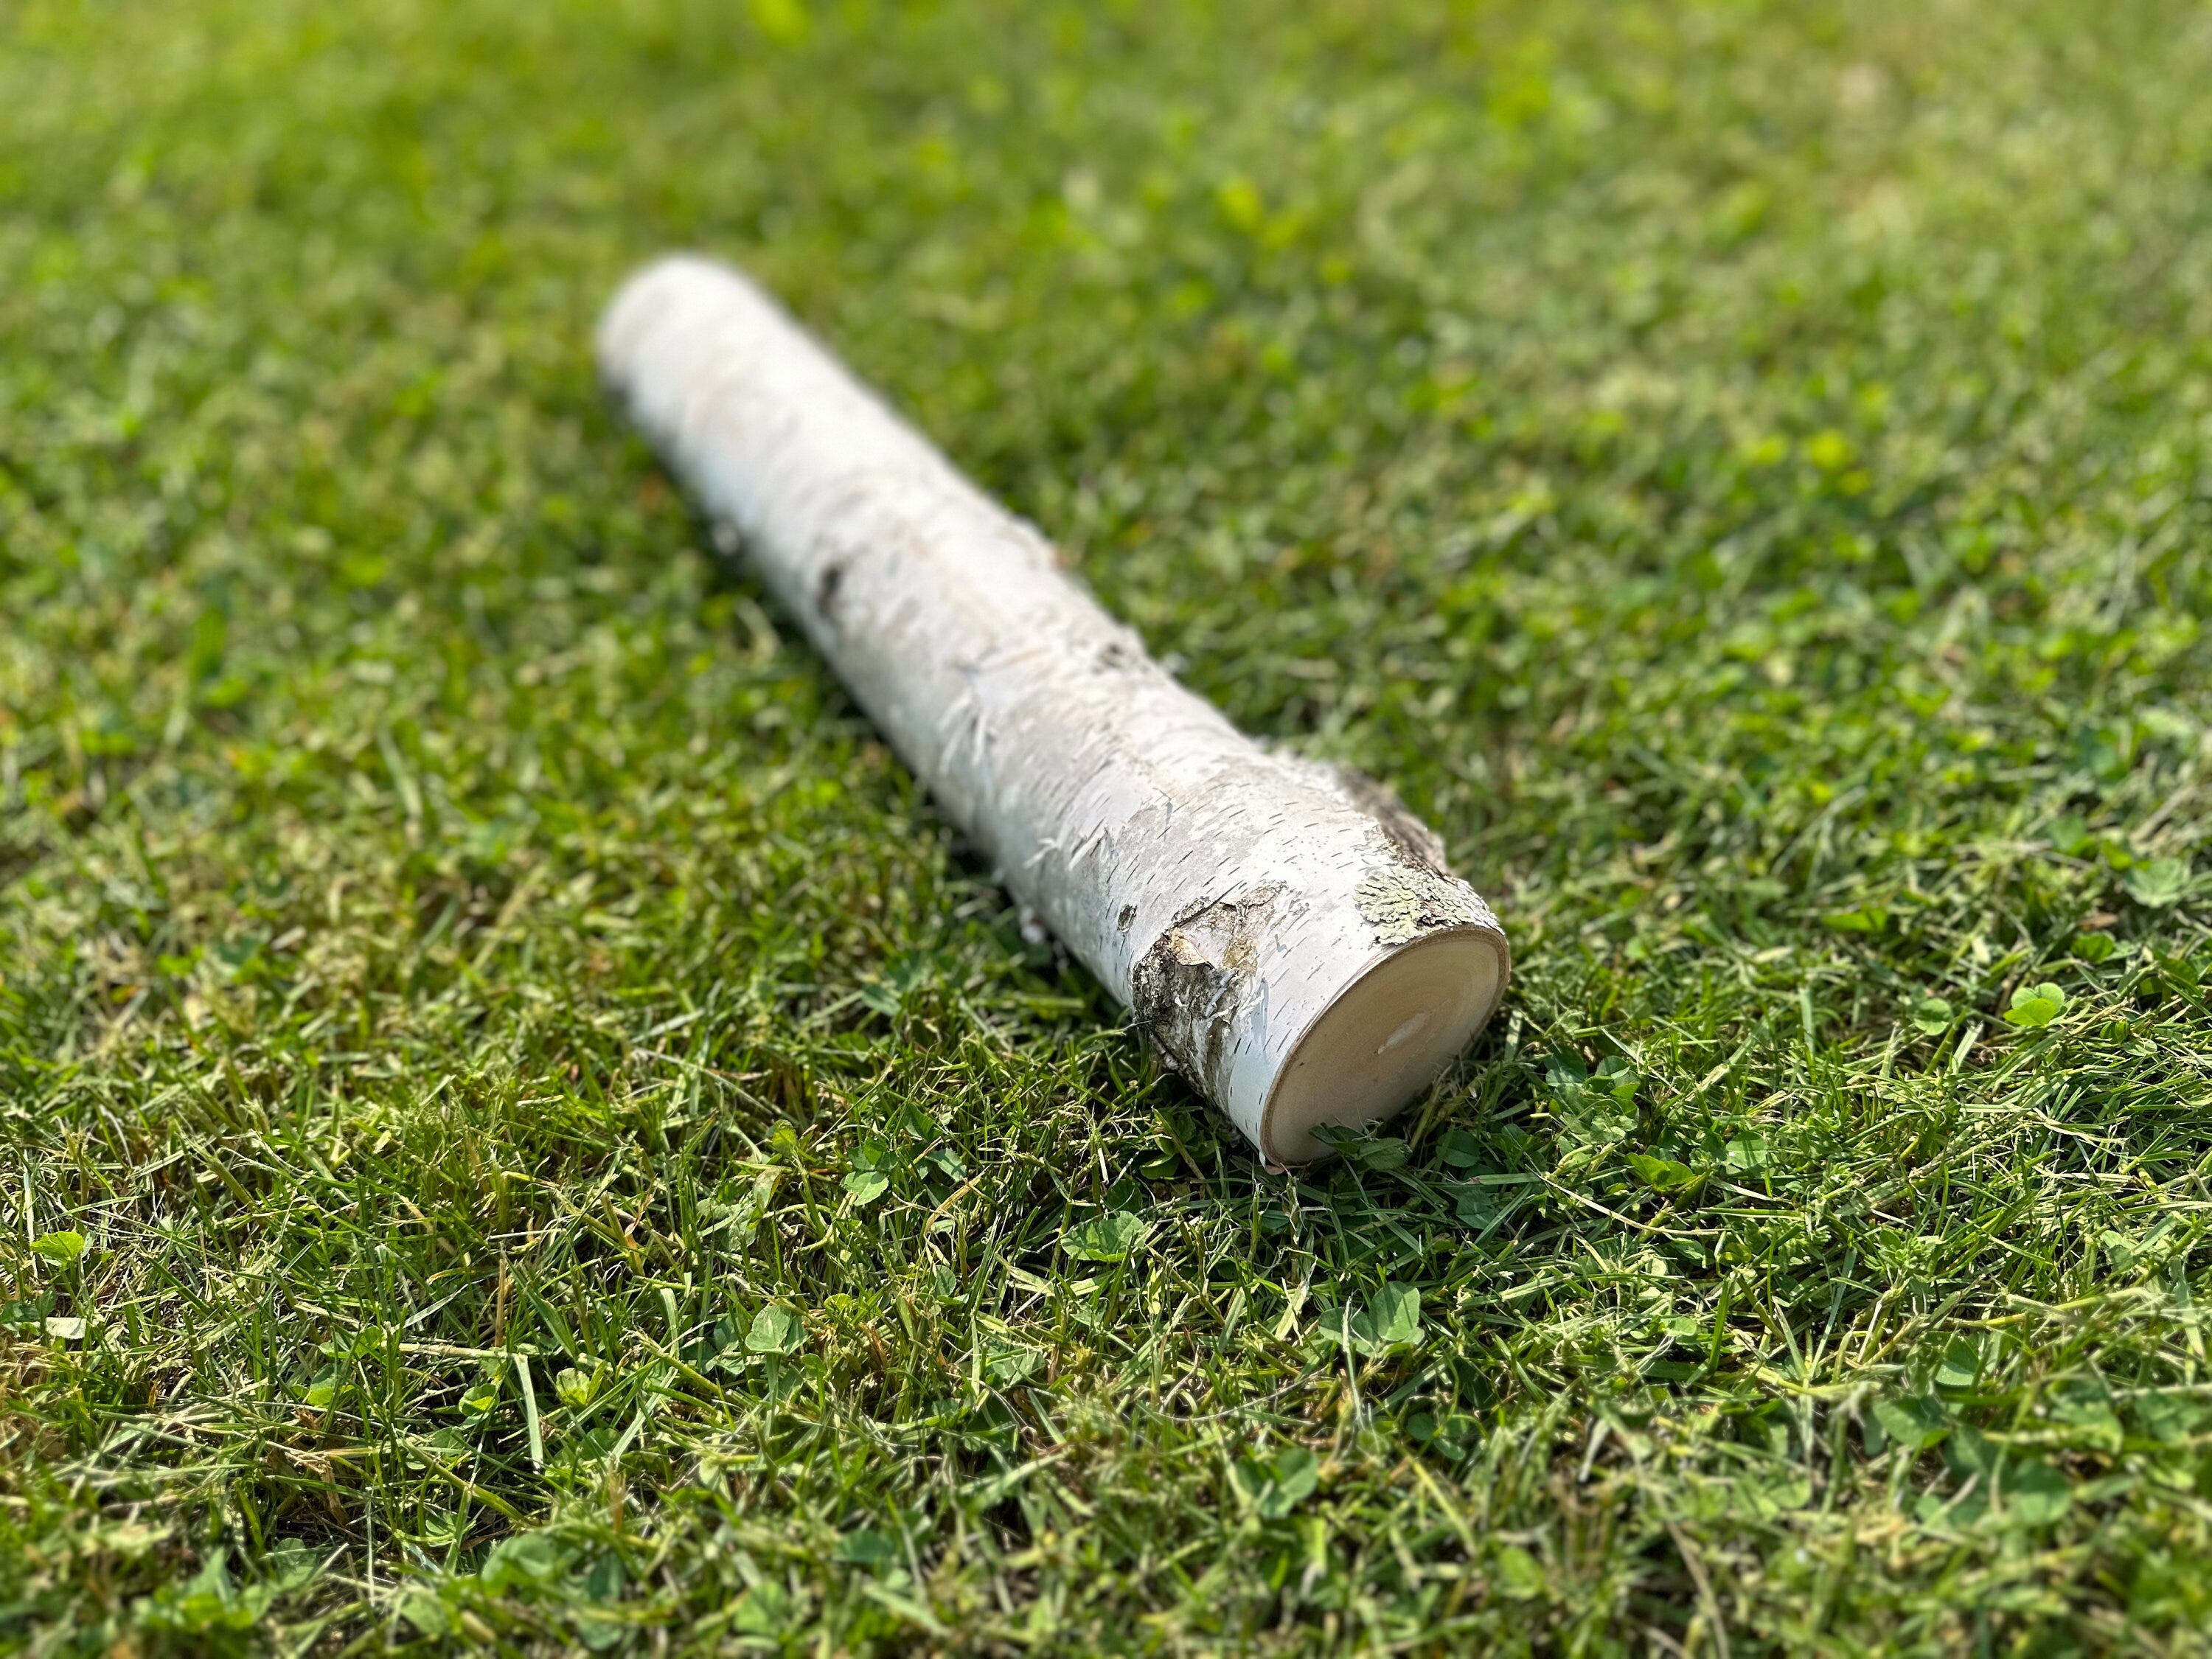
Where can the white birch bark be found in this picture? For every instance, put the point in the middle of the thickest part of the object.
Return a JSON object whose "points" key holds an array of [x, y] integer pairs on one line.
{"points": [[1285, 932]]}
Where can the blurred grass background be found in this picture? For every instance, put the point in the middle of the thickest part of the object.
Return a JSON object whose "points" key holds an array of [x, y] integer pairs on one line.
{"points": [[520, 1129]]}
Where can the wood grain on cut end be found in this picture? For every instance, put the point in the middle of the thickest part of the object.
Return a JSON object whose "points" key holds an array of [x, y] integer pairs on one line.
{"points": [[1384, 1039]]}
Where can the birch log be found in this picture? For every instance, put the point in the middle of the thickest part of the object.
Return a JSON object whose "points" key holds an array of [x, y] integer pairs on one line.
{"points": [[1285, 932]]}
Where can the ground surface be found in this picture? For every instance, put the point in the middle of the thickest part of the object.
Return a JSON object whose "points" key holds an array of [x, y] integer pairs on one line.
{"points": [[521, 1127]]}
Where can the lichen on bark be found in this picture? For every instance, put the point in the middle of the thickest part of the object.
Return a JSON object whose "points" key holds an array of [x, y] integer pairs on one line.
{"points": [[1402, 904]]}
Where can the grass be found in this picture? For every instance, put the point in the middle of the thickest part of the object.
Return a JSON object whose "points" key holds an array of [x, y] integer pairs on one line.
{"points": [[519, 1127]]}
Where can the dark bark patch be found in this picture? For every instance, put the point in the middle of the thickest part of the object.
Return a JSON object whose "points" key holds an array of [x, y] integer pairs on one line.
{"points": [[1405, 839], [1189, 986]]}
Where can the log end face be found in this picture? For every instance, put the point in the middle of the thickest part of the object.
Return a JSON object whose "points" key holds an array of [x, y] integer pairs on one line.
{"points": [[639, 306], [1384, 1039], [657, 334]]}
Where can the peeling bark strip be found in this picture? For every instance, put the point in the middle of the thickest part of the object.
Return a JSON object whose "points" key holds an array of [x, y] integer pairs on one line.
{"points": [[1286, 932]]}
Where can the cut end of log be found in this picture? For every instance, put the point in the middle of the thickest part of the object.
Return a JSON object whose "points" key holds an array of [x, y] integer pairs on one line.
{"points": [[1383, 1040]]}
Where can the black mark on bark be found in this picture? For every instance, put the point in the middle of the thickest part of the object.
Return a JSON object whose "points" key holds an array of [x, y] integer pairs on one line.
{"points": [[825, 591]]}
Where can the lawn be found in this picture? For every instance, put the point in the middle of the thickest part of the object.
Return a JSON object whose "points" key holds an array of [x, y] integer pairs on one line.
{"points": [[520, 1126]]}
